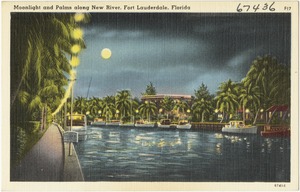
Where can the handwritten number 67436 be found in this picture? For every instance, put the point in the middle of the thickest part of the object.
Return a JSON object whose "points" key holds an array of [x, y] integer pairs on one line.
{"points": [[247, 7]]}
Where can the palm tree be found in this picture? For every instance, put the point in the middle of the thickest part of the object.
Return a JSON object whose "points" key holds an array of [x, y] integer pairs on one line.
{"points": [[181, 107], [123, 102], [281, 86], [147, 109], [203, 107], [80, 104], [167, 105], [109, 108], [273, 80], [94, 105], [47, 39], [250, 97], [261, 74], [227, 98]]}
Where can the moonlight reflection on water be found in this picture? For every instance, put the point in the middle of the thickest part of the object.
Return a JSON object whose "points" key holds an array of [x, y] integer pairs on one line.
{"points": [[137, 154]]}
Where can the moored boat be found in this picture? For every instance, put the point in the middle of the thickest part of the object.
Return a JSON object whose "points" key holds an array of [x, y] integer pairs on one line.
{"points": [[113, 123], [164, 123], [144, 124], [183, 124], [79, 124], [130, 124], [239, 127], [97, 122], [275, 131]]}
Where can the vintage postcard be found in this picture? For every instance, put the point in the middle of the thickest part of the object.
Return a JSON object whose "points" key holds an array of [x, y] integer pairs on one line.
{"points": [[141, 95]]}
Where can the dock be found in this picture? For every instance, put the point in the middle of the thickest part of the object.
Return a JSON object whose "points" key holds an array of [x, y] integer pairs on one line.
{"points": [[208, 126]]}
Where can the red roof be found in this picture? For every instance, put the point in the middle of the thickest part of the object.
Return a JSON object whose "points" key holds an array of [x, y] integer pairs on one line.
{"points": [[278, 108]]}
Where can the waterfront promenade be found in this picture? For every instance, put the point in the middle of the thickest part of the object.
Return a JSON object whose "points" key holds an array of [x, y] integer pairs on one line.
{"points": [[47, 161]]}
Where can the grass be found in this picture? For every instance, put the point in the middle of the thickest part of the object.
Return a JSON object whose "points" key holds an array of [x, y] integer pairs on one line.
{"points": [[25, 137]]}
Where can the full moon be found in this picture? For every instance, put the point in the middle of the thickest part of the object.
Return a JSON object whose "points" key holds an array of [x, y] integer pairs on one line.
{"points": [[106, 53]]}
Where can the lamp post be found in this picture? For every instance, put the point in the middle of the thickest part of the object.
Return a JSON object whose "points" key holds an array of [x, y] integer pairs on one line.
{"points": [[117, 113], [74, 62]]}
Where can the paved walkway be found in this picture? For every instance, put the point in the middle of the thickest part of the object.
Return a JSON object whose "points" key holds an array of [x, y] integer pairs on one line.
{"points": [[45, 161]]}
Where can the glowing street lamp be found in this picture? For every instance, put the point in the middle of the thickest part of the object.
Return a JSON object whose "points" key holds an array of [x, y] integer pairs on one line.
{"points": [[75, 49], [77, 33], [74, 61], [79, 17]]}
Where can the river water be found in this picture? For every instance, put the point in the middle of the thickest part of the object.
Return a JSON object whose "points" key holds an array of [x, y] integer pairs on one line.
{"points": [[139, 154]]}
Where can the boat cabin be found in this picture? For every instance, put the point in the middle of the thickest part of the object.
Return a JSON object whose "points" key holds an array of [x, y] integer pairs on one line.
{"points": [[77, 120], [183, 122], [165, 122], [236, 124]]}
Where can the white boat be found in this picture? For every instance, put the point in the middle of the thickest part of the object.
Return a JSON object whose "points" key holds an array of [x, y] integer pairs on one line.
{"points": [[126, 124], [98, 122], [164, 123], [239, 127], [183, 124], [79, 124], [144, 124], [113, 123]]}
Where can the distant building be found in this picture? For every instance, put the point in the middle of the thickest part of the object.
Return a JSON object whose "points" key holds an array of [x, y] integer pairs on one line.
{"points": [[160, 97], [280, 112]]}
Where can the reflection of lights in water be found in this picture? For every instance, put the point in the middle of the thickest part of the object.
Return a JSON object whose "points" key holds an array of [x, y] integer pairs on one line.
{"points": [[189, 146], [161, 143], [147, 141], [114, 136], [218, 148], [178, 141], [219, 135], [281, 149]]}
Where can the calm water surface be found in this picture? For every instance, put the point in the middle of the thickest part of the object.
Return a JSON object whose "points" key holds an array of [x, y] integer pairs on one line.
{"points": [[137, 154]]}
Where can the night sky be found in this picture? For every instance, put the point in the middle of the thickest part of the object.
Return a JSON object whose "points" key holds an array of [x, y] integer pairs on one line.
{"points": [[175, 51]]}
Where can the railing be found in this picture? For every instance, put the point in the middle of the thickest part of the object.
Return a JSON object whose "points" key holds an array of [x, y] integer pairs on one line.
{"points": [[276, 128]]}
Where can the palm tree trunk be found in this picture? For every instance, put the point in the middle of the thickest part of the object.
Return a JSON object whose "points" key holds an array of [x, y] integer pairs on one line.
{"points": [[244, 114], [223, 116], [256, 115], [272, 116]]}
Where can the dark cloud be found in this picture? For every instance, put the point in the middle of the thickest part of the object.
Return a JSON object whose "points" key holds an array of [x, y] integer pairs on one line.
{"points": [[177, 52]]}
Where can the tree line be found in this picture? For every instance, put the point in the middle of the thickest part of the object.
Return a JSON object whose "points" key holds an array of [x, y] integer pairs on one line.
{"points": [[44, 48], [267, 83]]}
